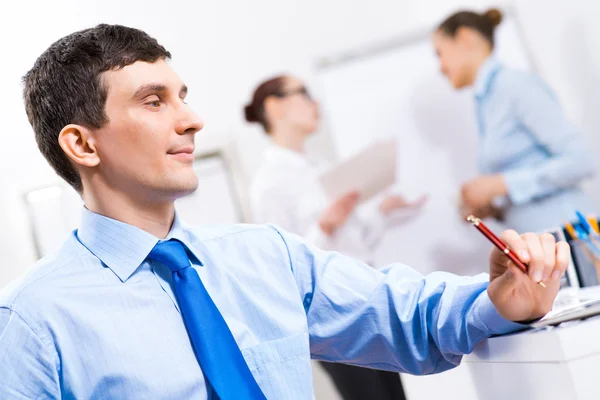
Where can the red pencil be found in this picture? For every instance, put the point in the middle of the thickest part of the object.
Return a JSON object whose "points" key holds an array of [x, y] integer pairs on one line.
{"points": [[498, 243]]}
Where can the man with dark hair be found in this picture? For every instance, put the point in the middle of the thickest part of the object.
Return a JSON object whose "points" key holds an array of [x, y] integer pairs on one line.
{"points": [[137, 305], [65, 86]]}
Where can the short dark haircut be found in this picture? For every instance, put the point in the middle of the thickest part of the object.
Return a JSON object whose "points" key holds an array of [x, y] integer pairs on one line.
{"points": [[485, 23], [65, 85]]}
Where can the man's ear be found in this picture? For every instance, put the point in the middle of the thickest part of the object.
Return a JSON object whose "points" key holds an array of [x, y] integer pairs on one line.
{"points": [[78, 144]]}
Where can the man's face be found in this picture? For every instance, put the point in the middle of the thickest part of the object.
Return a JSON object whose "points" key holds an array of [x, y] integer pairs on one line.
{"points": [[146, 148]]}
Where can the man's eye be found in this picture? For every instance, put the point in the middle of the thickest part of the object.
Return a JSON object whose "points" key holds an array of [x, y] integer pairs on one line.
{"points": [[152, 101]]}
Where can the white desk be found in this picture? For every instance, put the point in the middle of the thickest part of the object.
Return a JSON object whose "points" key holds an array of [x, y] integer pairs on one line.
{"points": [[561, 363], [556, 363]]}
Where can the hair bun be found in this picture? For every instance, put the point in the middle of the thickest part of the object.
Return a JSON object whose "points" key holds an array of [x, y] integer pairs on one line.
{"points": [[494, 16], [250, 114]]}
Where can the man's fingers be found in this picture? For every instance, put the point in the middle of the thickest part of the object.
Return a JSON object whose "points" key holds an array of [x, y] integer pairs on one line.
{"points": [[563, 258], [517, 244], [548, 243], [536, 256]]}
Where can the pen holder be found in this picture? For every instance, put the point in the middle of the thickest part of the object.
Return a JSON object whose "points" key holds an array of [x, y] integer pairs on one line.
{"points": [[586, 260], [587, 264]]}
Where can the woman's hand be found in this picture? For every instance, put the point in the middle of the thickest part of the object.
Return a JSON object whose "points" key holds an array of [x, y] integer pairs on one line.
{"points": [[338, 212], [395, 202], [486, 212], [477, 194]]}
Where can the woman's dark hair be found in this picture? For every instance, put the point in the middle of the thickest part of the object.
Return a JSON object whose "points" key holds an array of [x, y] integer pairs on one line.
{"points": [[255, 111], [484, 23]]}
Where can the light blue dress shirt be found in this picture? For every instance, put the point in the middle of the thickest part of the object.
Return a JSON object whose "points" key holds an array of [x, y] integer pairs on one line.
{"points": [[97, 320], [525, 136]]}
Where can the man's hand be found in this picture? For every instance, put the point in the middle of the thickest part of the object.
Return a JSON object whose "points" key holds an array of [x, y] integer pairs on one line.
{"points": [[517, 295]]}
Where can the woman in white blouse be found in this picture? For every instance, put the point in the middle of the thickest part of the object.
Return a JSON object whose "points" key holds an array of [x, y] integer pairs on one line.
{"points": [[286, 191]]}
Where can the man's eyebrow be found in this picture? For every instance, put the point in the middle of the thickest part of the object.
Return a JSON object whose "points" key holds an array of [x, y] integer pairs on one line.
{"points": [[151, 88], [148, 89]]}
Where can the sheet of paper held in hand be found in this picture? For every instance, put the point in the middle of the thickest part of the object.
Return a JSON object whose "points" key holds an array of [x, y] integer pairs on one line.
{"points": [[368, 172]]}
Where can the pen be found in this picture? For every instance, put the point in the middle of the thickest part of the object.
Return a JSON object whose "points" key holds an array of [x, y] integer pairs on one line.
{"points": [[498, 243], [571, 231], [587, 234], [584, 223], [594, 223]]}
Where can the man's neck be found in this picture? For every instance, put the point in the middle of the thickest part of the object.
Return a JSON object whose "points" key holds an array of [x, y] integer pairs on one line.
{"points": [[156, 218]]}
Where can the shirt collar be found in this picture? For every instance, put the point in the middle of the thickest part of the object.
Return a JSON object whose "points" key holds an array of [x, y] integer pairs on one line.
{"points": [[281, 154], [123, 247], [486, 75]]}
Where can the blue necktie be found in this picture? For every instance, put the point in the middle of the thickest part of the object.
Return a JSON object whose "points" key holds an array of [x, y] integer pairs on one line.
{"points": [[216, 350]]}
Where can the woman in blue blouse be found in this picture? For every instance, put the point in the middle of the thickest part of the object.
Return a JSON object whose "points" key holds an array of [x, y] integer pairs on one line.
{"points": [[531, 159]]}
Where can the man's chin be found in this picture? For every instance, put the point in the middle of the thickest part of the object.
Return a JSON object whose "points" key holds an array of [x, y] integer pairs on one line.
{"points": [[182, 188], [186, 190]]}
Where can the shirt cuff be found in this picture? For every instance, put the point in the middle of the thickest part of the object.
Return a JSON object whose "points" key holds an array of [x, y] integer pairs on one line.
{"points": [[501, 202], [491, 319], [520, 185]]}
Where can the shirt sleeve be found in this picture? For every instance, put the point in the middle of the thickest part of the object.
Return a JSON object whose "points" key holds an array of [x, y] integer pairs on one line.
{"points": [[393, 318], [570, 158], [28, 368]]}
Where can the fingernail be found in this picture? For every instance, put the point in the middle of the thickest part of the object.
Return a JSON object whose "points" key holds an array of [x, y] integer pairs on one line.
{"points": [[524, 256], [555, 275], [537, 276]]}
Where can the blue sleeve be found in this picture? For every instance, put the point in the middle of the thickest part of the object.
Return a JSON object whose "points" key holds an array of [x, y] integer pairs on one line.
{"points": [[394, 318], [570, 158], [27, 367]]}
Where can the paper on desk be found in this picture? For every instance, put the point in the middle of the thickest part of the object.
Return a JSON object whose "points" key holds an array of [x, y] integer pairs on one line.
{"points": [[368, 172], [577, 311]]}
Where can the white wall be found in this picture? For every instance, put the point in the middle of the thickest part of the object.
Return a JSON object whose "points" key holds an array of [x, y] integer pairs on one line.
{"points": [[565, 39], [222, 48]]}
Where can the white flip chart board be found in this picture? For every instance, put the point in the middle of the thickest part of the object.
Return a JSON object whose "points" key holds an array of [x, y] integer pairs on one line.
{"points": [[397, 91]]}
